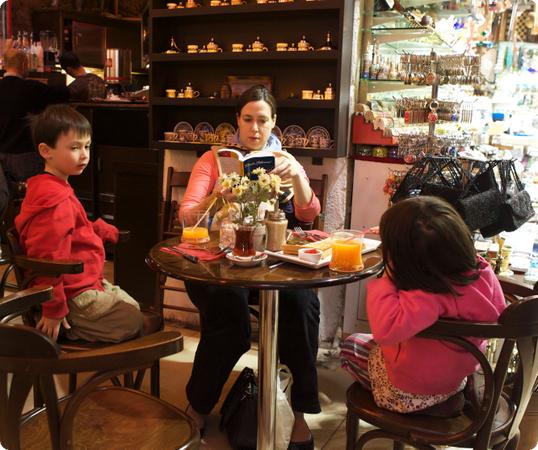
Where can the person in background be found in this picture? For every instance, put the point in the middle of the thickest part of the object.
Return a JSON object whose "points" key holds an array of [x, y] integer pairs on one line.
{"points": [[432, 271], [224, 313], [53, 225], [85, 85], [20, 98]]}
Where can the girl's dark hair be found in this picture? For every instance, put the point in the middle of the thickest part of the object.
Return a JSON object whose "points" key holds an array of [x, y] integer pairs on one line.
{"points": [[427, 246], [56, 120], [254, 94]]}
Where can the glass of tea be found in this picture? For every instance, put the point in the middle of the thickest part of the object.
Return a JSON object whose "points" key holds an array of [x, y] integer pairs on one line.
{"points": [[244, 240], [195, 227], [346, 251]]}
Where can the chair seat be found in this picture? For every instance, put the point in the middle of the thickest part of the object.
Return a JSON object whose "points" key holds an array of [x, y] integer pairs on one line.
{"points": [[118, 418], [361, 402], [153, 322]]}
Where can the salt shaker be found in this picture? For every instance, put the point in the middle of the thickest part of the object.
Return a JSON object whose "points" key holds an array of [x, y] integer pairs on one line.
{"points": [[276, 224]]}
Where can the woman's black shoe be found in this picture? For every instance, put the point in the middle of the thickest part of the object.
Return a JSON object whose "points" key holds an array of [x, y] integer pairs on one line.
{"points": [[304, 445]]}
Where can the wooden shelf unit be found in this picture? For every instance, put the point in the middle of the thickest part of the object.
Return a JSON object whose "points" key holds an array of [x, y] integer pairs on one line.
{"points": [[290, 72]]}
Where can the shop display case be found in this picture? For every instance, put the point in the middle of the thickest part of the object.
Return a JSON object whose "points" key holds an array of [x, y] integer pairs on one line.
{"points": [[214, 35]]}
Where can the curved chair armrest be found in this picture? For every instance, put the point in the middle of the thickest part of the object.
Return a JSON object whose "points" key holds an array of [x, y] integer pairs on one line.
{"points": [[137, 353], [48, 267], [131, 354], [24, 300]]}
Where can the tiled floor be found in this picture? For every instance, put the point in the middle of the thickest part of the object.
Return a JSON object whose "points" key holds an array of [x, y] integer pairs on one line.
{"points": [[328, 427]]}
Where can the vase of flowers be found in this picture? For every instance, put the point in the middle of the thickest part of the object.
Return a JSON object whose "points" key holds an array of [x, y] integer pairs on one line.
{"points": [[249, 195]]}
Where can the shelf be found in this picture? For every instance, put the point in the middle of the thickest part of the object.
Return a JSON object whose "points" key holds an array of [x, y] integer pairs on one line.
{"points": [[202, 147], [330, 55], [377, 86], [265, 8], [379, 160], [231, 102]]}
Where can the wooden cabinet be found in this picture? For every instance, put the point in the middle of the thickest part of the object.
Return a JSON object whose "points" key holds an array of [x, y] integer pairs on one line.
{"points": [[290, 72], [123, 185]]}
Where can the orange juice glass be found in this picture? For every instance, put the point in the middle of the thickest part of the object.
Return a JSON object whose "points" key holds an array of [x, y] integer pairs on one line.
{"points": [[195, 228], [346, 251]]}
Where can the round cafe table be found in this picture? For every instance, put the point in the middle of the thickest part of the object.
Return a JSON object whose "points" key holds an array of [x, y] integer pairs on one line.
{"points": [[222, 272]]}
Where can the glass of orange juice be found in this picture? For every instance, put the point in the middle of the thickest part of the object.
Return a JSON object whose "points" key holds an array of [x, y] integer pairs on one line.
{"points": [[346, 251], [195, 227]]}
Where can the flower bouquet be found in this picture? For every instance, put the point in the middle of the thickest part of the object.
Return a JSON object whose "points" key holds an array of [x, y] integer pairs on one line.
{"points": [[246, 212]]}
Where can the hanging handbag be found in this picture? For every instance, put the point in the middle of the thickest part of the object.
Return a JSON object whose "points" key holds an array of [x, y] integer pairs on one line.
{"points": [[516, 206], [239, 412], [444, 179], [481, 200]]}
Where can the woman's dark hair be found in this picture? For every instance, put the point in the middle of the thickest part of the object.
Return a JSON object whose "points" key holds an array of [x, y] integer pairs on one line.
{"points": [[254, 94], [56, 120], [427, 246]]}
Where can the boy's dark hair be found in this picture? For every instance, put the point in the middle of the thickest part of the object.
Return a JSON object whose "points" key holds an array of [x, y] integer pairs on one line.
{"points": [[427, 246], [69, 59], [254, 94], [56, 120]]}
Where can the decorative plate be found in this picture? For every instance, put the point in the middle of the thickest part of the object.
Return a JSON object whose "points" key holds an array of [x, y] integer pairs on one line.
{"points": [[224, 130], [247, 261], [293, 136], [183, 127], [277, 132], [202, 129], [315, 133]]}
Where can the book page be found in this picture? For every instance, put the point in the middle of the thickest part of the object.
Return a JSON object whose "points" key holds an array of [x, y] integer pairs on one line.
{"points": [[229, 160]]}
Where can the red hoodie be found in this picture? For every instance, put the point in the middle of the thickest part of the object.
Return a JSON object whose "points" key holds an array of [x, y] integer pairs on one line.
{"points": [[53, 225]]}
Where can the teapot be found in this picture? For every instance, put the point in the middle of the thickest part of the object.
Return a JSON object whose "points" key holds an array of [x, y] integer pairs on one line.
{"points": [[213, 47], [303, 45], [190, 92], [257, 45]]}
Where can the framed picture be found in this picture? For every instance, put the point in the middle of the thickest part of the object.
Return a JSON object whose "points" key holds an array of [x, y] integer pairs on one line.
{"points": [[240, 83]]}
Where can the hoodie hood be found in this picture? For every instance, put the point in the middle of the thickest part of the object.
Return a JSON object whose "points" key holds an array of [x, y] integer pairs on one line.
{"points": [[53, 191], [272, 144]]}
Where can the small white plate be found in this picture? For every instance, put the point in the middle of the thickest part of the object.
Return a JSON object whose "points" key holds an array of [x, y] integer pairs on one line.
{"points": [[247, 261]]}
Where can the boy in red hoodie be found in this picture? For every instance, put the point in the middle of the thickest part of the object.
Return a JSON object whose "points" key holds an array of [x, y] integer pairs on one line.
{"points": [[53, 225]]}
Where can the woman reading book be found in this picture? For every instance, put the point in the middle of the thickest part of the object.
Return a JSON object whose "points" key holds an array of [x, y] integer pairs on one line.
{"points": [[224, 314]]}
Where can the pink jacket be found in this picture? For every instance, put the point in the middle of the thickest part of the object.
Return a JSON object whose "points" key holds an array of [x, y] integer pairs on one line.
{"points": [[425, 366], [204, 177]]}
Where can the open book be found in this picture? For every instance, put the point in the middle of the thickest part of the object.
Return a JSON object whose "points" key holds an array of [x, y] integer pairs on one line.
{"points": [[233, 160]]}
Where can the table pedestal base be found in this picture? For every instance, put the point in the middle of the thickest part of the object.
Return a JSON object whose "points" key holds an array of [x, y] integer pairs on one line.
{"points": [[267, 364]]}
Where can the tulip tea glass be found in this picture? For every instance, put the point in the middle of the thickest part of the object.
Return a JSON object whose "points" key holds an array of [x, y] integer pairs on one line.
{"points": [[347, 251], [195, 227]]}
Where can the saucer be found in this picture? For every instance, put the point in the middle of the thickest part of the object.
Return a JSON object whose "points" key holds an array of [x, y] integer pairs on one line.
{"points": [[247, 261]]}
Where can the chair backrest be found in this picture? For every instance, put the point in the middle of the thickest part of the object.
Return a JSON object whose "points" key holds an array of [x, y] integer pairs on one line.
{"points": [[518, 326], [15, 249], [319, 186], [170, 222]]}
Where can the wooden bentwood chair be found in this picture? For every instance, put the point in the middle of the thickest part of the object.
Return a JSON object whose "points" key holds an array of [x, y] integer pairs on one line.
{"points": [[491, 421], [27, 269], [95, 416]]}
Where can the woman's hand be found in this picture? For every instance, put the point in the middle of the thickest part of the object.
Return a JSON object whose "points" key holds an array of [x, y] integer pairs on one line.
{"points": [[286, 168], [226, 194]]}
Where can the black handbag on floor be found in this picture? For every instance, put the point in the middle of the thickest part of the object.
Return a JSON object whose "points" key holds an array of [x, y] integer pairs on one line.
{"points": [[239, 412]]}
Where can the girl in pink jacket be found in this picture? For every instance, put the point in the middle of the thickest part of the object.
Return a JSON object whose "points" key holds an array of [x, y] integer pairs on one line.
{"points": [[431, 272]]}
